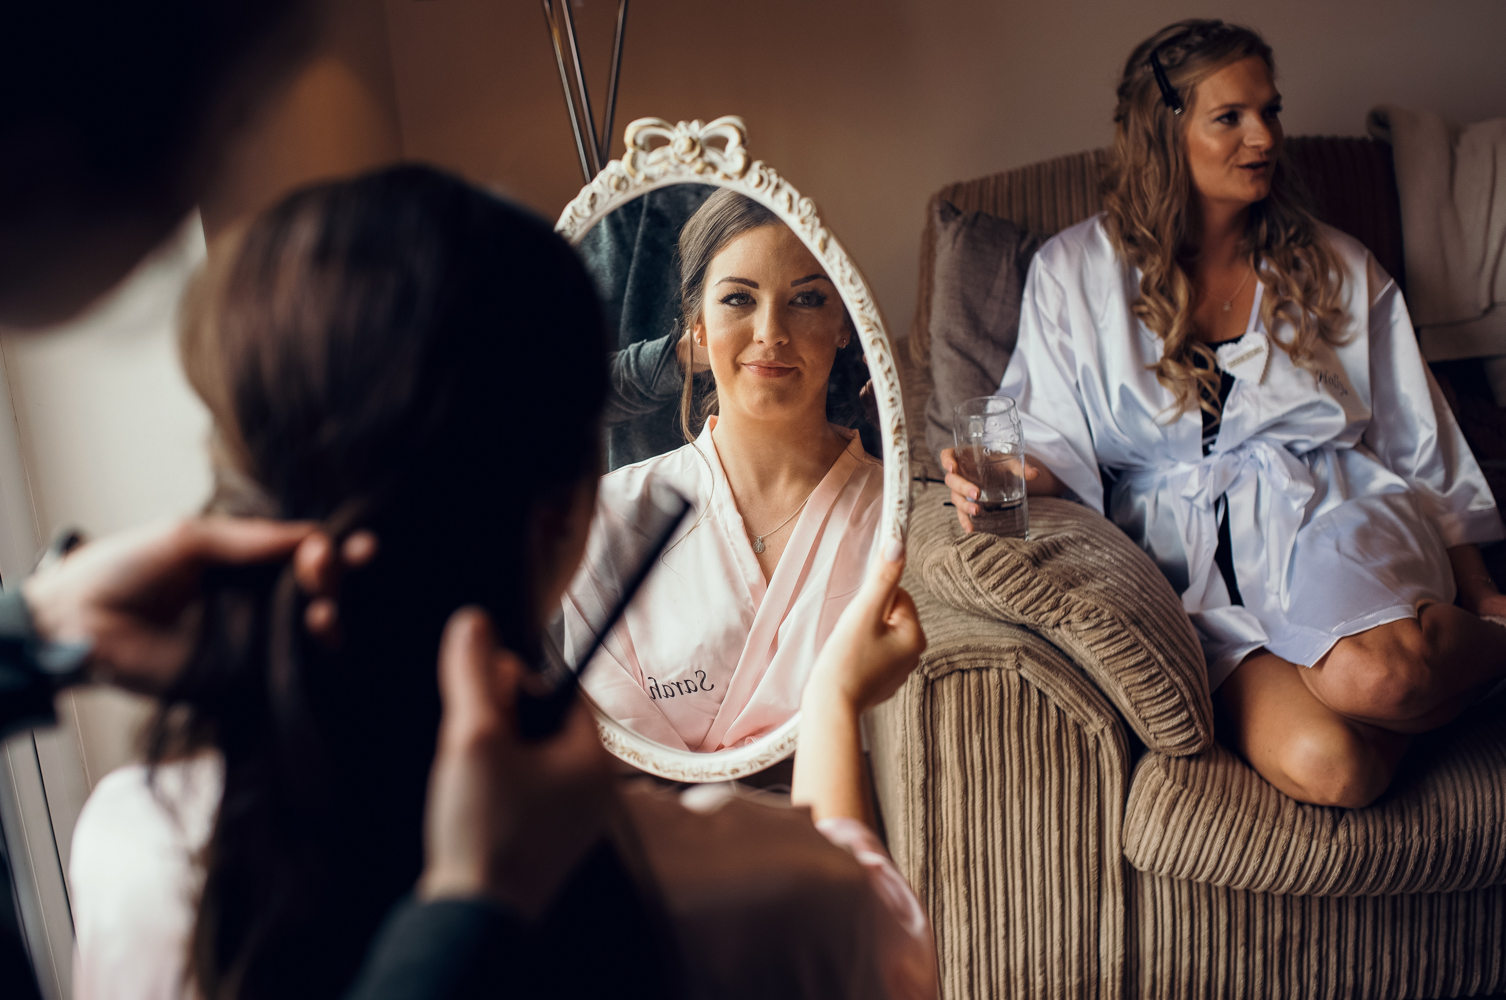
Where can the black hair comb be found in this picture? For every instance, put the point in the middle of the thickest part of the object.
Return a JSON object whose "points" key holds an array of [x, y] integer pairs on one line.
{"points": [[541, 715], [1168, 92]]}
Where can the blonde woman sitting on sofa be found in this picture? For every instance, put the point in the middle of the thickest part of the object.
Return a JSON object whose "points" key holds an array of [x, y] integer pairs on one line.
{"points": [[1239, 388]]}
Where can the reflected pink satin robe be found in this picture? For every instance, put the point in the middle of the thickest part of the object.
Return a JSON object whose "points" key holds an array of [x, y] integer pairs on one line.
{"points": [[709, 656]]}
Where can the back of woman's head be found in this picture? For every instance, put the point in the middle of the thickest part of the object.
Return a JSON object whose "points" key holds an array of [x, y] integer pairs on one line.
{"points": [[375, 353], [1151, 215]]}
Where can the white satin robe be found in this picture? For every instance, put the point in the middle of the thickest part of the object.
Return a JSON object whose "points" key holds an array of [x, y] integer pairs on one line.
{"points": [[709, 655], [1345, 483]]}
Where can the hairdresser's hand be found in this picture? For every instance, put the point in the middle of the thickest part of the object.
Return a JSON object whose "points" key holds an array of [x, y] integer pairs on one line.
{"points": [[868, 398], [318, 567], [506, 818], [874, 646], [130, 595], [1039, 481], [691, 355]]}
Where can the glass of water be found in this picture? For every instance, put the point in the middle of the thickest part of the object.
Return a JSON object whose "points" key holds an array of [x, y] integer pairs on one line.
{"points": [[991, 456]]}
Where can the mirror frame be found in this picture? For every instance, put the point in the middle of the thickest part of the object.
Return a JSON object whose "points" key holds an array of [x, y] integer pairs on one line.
{"points": [[657, 155]]}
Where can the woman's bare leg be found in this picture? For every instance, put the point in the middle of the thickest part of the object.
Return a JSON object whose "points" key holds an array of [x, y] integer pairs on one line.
{"points": [[1412, 675], [1297, 743], [1333, 734]]}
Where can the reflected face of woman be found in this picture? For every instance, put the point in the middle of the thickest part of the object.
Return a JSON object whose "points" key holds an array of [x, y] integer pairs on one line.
{"points": [[772, 323], [1234, 134]]}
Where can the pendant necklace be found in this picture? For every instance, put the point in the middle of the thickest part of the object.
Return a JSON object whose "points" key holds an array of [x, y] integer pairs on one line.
{"points": [[758, 545], [1230, 300]]}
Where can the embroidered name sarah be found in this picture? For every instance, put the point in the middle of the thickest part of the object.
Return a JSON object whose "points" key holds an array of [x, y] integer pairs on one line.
{"points": [[672, 689]]}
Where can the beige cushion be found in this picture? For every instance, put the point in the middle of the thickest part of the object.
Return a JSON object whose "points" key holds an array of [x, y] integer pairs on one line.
{"points": [[1440, 828], [1084, 586]]}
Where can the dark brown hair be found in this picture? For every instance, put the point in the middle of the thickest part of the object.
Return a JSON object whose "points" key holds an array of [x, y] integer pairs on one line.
{"points": [[372, 354], [1148, 212]]}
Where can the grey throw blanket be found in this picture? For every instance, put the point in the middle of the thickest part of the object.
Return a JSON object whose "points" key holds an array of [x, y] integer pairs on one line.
{"points": [[1452, 181]]}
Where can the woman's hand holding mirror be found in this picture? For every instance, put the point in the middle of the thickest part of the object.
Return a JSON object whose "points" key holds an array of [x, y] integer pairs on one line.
{"points": [[875, 645]]}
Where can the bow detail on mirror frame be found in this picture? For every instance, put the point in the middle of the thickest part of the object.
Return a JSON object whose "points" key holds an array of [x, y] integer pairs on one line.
{"points": [[688, 144]]}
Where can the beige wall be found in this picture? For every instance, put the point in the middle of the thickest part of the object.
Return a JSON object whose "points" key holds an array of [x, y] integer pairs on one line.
{"points": [[869, 106], [336, 117]]}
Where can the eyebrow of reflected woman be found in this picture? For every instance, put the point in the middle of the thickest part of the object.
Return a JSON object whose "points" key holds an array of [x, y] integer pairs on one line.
{"points": [[753, 284]]}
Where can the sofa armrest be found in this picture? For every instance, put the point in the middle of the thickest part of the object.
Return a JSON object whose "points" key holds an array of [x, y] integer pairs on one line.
{"points": [[1001, 774], [1079, 582]]}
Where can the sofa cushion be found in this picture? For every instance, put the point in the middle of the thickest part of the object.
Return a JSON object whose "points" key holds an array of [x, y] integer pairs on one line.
{"points": [[977, 284], [1212, 819], [1083, 585]]}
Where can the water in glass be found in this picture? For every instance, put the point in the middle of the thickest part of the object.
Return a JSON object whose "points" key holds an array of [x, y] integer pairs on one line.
{"points": [[991, 455]]}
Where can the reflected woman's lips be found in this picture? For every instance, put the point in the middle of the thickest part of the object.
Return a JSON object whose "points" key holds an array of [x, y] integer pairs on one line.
{"points": [[768, 369]]}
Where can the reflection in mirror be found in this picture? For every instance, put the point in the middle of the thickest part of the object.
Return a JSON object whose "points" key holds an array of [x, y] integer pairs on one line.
{"points": [[737, 379]]}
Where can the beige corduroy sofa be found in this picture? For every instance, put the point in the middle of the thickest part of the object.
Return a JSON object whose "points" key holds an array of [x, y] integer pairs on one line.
{"points": [[1048, 777]]}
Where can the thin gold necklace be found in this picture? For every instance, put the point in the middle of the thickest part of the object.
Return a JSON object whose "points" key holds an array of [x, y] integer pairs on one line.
{"points": [[758, 545], [1229, 302]]}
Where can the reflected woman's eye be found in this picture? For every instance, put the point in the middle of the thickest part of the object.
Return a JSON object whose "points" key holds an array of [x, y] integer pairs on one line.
{"points": [[1274, 111], [1228, 118], [811, 298], [736, 299]]}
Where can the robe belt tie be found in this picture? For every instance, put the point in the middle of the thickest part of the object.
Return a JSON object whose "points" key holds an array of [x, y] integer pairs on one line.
{"points": [[1268, 489]]}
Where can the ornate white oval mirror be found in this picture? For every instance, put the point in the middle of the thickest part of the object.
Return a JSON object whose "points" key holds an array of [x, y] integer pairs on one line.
{"points": [[751, 375]]}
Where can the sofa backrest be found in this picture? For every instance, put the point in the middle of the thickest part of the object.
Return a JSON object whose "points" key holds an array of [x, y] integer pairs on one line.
{"points": [[1352, 182]]}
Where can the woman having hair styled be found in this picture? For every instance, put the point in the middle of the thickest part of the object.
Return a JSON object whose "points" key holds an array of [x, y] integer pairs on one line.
{"points": [[1239, 388], [353, 349], [716, 650], [368, 350]]}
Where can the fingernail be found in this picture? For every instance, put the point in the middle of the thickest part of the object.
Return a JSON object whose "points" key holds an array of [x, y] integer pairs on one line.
{"points": [[894, 550]]}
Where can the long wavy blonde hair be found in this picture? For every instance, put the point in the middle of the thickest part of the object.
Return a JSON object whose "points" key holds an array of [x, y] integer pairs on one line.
{"points": [[1150, 215]]}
